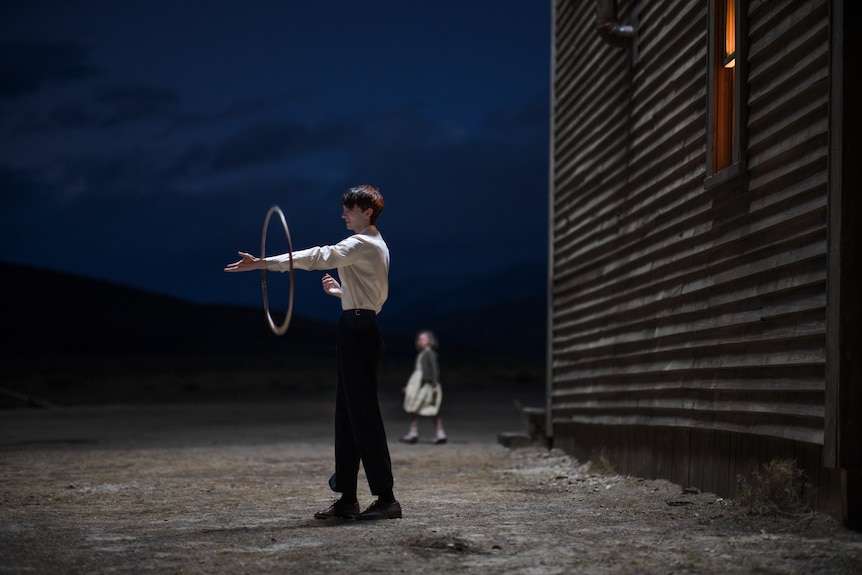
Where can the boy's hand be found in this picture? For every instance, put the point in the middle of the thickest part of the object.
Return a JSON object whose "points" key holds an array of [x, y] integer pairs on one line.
{"points": [[247, 262], [331, 286]]}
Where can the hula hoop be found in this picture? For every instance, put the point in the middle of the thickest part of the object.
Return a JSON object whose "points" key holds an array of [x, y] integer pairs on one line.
{"points": [[277, 329]]}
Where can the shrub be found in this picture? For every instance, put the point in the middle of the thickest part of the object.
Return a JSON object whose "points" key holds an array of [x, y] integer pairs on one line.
{"points": [[779, 487]]}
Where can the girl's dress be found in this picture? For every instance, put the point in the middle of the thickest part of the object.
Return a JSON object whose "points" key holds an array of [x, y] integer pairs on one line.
{"points": [[419, 396]]}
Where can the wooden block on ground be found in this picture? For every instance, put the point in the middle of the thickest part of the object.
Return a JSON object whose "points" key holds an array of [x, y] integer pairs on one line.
{"points": [[514, 439]]}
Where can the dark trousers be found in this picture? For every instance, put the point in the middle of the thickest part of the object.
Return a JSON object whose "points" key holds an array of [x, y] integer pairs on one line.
{"points": [[359, 431]]}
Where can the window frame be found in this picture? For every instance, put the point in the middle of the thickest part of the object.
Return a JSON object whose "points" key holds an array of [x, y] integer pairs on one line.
{"points": [[726, 94]]}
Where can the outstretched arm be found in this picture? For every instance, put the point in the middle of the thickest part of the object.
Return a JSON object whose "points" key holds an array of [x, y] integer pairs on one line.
{"points": [[331, 286], [246, 264]]}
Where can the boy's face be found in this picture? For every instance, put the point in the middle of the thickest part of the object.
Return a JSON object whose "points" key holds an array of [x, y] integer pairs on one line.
{"points": [[356, 218]]}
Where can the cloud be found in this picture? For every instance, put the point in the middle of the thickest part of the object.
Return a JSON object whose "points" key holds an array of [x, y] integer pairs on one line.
{"points": [[187, 119], [108, 107], [273, 141], [27, 67], [524, 119], [192, 161], [104, 177], [261, 143], [134, 103]]}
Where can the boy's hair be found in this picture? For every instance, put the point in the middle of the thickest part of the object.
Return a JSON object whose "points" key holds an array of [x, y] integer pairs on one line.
{"points": [[365, 197]]}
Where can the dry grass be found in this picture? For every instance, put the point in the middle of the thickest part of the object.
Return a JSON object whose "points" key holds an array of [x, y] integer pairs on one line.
{"points": [[600, 463], [779, 487]]}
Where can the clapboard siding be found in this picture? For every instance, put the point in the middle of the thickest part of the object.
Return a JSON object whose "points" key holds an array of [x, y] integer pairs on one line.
{"points": [[678, 302]]}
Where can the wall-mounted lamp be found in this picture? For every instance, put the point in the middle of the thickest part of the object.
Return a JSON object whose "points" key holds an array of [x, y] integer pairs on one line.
{"points": [[610, 28]]}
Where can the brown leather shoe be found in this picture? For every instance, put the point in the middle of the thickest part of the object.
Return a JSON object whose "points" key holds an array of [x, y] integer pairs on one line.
{"points": [[339, 510], [379, 510]]}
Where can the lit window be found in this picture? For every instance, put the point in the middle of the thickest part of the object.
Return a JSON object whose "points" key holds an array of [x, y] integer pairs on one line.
{"points": [[729, 35], [724, 70]]}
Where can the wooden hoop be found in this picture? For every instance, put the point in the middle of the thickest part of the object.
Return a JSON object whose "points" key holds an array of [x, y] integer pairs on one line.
{"points": [[277, 329]]}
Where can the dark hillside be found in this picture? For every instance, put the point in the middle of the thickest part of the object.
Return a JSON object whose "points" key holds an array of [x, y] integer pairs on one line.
{"points": [[51, 316], [71, 339]]}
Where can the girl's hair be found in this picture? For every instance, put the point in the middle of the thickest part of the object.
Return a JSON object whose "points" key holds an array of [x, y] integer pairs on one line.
{"points": [[365, 197], [431, 337]]}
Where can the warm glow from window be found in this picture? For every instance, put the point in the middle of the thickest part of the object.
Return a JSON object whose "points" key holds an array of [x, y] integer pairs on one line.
{"points": [[730, 35], [723, 84]]}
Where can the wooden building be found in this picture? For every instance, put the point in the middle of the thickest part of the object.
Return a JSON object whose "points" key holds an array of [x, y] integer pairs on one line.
{"points": [[704, 241]]}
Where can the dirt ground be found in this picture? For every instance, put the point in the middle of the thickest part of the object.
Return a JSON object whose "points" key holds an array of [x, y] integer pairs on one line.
{"points": [[231, 488]]}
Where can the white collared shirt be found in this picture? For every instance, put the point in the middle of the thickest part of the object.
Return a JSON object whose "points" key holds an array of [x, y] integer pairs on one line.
{"points": [[362, 261]]}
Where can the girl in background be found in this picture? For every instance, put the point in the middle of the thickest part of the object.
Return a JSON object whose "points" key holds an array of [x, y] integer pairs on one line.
{"points": [[423, 393]]}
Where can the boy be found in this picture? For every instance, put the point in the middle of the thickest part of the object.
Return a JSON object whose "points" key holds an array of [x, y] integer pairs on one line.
{"points": [[362, 261]]}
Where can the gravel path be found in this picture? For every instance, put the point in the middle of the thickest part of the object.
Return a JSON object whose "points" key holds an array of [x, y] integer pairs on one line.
{"points": [[227, 488]]}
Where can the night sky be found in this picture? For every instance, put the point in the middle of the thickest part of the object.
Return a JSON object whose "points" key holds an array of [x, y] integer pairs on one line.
{"points": [[143, 141]]}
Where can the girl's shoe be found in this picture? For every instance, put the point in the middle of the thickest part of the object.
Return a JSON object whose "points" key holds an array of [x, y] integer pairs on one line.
{"points": [[409, 439], [440, 440]]}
